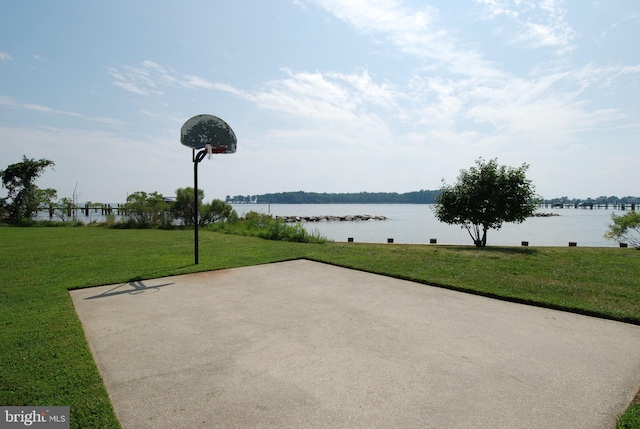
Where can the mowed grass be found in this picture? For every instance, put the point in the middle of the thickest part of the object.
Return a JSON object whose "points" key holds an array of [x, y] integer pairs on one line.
{"points": [[45, 359], [596, 281]]}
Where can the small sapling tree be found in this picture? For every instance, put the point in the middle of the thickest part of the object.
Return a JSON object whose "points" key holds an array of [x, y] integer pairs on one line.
{"points": [[484, 197], [625, 229]]}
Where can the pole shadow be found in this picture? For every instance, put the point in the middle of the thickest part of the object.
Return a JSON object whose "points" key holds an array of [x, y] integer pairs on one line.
{"points": [[132, 288]]}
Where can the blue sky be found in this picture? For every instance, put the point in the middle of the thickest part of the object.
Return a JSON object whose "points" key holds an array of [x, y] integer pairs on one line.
{"points": [[323, 95]]}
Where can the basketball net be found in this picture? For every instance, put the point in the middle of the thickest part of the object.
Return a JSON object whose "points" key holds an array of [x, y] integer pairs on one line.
{"points": [[209, 149]]}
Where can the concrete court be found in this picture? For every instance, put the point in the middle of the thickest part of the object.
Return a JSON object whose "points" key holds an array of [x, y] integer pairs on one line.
{"points": [[302, 344]]}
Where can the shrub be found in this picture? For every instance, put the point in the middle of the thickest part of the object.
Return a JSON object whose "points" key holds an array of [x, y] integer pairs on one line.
{"points": [[267, 227], [625, 229], [144, 210]]}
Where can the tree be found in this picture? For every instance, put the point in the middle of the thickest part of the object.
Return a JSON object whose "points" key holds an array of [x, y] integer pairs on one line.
{"points": [[183, 207], [145, 210], [216, 211], [625, 229], [23, 197], [484, 197], [65, 209]]}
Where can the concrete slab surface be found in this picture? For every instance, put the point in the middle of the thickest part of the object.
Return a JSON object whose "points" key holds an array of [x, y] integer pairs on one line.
{"points": [[302, 344]]}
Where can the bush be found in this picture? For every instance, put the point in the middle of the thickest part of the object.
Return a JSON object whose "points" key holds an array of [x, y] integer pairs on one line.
{"points": [[278, 229], [265, 226], [216, 211], [144, 210], [255, 220], [110, 220], [625, 229]]}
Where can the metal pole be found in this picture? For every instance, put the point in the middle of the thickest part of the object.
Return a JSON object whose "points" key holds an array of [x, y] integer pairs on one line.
{"points": [[196, 160], [195, 206]]}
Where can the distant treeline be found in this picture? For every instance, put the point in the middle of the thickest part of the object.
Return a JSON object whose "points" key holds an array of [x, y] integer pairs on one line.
{"points": [[417, 197], [300, 197]]}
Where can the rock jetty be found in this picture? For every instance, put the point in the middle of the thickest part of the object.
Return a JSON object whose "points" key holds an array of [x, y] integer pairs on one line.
{"points": [[538, 214], [323, 218]]}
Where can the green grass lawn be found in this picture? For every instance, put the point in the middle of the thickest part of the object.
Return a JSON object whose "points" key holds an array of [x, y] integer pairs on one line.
{"points": [[45, 359]]}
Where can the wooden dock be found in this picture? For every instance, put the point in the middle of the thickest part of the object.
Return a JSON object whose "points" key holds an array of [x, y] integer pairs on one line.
{"points": [[590, 206]]}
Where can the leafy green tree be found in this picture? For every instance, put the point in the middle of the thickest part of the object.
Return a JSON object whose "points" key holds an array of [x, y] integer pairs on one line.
{"points": [[484, 197], [216, 211], [23, 196], [182, 209], [145, 210], [625, 229]]}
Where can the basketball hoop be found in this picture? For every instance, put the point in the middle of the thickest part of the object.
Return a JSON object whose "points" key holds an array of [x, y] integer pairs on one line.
{"points": [[211, 149], [197, 133]]}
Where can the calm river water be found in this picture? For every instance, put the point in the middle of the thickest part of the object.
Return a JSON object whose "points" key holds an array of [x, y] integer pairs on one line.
{"points": [[416, 223]]}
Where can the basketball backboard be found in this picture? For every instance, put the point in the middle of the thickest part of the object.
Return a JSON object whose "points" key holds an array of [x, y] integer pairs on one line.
{"points": [[202, 130]]}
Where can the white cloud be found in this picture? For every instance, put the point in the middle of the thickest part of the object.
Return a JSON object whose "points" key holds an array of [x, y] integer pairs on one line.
{"points": [[4, 56], [336, 107], [310, 95], [329, 98], [538, 24], [354, 109], [143, 80], [384, 94], [548, 108], [14, 104], [197, 82], [130, 87], [495, 8], [441, 100], [8, 101], [436, 113], [413, 31]]}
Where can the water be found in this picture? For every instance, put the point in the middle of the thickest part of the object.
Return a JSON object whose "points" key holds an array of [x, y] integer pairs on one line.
{"points": [[416, 224]]}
